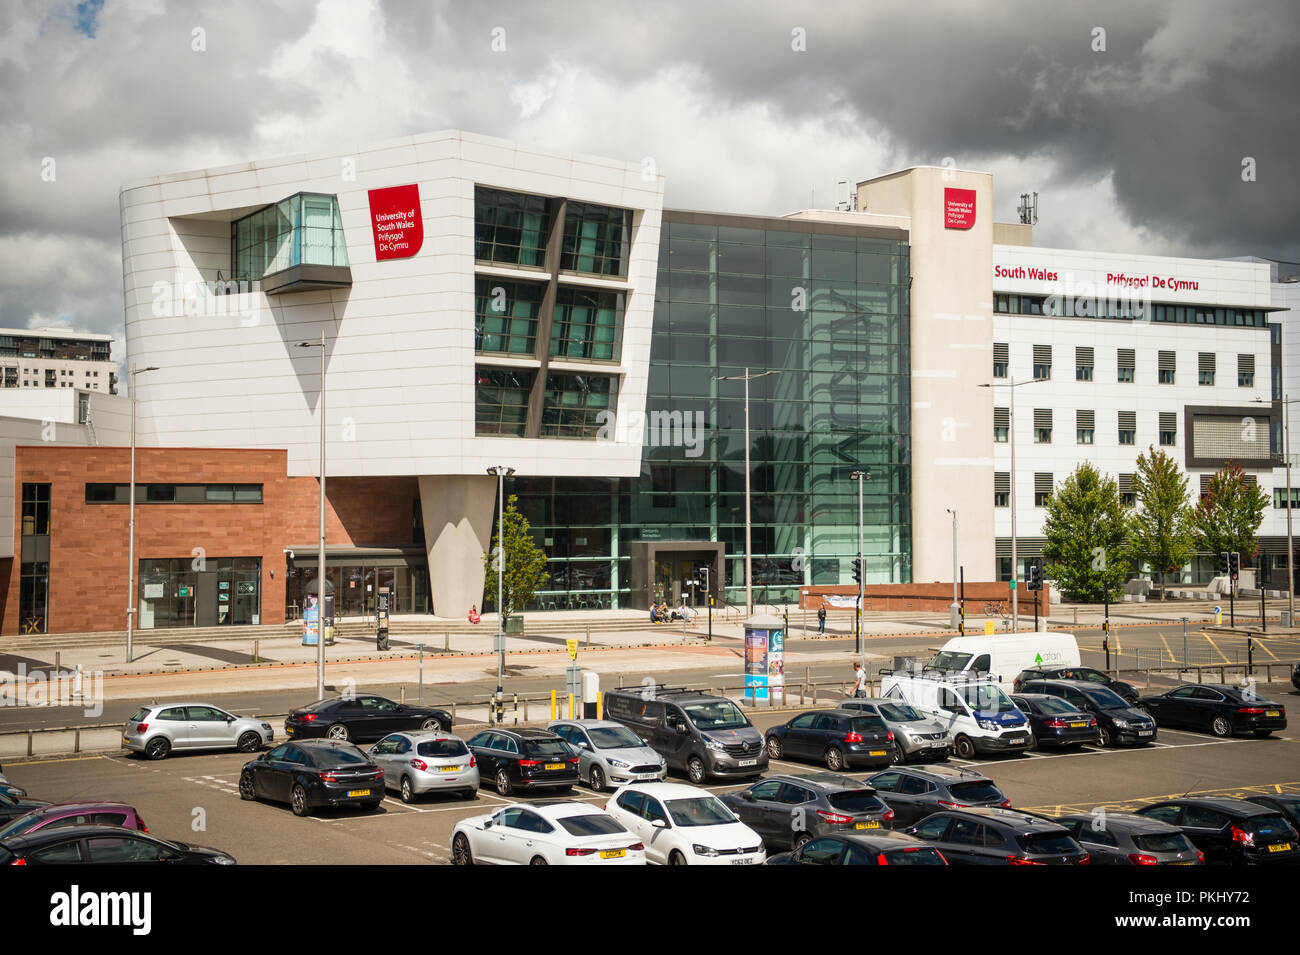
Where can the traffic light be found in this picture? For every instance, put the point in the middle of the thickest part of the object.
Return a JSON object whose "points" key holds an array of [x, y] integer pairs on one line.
{"points": [[1224, 569], [1234, 565], [857, 570], [1034, 576]]}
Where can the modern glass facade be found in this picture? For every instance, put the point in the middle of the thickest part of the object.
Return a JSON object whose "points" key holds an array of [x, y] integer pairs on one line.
{"points": [[823, 305], [305, 229], [214, 591]]}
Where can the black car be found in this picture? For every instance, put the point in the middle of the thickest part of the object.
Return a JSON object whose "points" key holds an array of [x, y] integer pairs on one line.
{"points": [[362, 718], [788, 811], [877, 848], [990, 836], [1230, 831], [1295, 676], [1124, 838], [1056, 722], [1081, 674], [1288, 804], [314, 773], [11, 807], [103, 845], [839, 738], [1117, 721], [524, 759], [1219, 708], [914, 792]]}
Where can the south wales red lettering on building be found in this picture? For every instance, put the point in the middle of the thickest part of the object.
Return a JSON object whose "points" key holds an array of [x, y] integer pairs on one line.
{"points": [[958, 208], [396, 220]]}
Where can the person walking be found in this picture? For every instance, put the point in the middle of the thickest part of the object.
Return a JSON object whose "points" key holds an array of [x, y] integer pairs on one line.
{"points": [[859, 681], [821, 620]]}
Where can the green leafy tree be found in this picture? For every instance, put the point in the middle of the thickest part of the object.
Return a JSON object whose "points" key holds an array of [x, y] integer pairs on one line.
{"points": [[1160, 528], [1085, 531], [525, 569], [1227, 518]]}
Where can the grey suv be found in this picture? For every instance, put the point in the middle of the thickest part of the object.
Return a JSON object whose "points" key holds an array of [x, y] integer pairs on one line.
{"points": [[790, 811], [609, 753], [916, 736], [914, 792]]}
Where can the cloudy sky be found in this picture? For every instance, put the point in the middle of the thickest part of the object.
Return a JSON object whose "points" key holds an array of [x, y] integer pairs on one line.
{"points": [[1131, 120]]}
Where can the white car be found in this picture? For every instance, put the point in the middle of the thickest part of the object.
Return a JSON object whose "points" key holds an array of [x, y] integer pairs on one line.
{"points": [[546, 832], [683, 825]]}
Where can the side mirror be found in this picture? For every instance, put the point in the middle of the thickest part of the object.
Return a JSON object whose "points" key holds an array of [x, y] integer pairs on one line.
{"points": [[660, 823], [230, 719], [747, 796], [681, 729]]}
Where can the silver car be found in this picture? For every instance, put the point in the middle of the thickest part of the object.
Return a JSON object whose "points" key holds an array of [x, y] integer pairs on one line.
{"points": [[610, 754], [157, 729], [916, 736], [416, 762]]}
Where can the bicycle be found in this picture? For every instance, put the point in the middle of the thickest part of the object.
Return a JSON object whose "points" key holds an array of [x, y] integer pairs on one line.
{"points": [[996, 608]]}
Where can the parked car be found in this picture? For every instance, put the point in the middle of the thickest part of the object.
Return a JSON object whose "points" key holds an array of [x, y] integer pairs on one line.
{"points": [[1125, 838], [916, 736], [990, 836], [1288, 804], [423, 761], [842, 739], [1056, 722], [683, 825], [876, 848], [100, 845], [155, 730], [313, 773], [362, 718], [700, 734], [914, 792], [1217, 708], [609, 753], [6, 785], [1117, 722], [11, 807], [116, 814], [979, 716], [996, 659], [525, 759], [1230, 831], [1295, 676], [547, 832], [788, 811], [1080, 674]]}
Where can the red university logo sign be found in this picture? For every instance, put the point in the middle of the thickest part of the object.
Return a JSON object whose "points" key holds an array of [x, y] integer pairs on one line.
{"points": [[958, 208], [396, 221]]}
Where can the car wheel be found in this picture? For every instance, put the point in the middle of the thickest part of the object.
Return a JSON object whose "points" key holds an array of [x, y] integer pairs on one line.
{"points": [[298, 800], [800, 841], [250, 742], [900, 754], [431, 724], [676, 858], [503, 783], [834, 759], [408, 791], [695, 770], [246, 788], [1104, 739], [563, 790], [597, 780], [1221, 727], [964, 747], [774, 748], [338, 731], [468, 794], [158, 747], [538, 860], [460, 851], [1033, 743]]}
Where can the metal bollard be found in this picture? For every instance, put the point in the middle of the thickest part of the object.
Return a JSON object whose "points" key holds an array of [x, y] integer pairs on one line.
{"points": [[588, 643], [453, 705], [517, 710], [402, 696], [525, 710], [76, 741], [257, 651], [57, 654], [446, 642]]}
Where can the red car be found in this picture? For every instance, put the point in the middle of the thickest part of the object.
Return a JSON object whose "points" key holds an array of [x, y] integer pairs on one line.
{"points": [[75, 814]]}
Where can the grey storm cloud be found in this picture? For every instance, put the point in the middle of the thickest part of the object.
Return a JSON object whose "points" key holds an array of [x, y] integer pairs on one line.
{"points": [[1165, 115]]}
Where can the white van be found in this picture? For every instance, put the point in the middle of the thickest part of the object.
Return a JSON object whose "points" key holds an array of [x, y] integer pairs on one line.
{"points": [[979, 716], [1002, 658]]}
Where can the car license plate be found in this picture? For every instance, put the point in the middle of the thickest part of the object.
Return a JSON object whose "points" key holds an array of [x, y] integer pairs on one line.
{"points": [[1075, 726], [747, 762], [126, 739], [1146, 732], [1172, 863], [613, 854], [1016, 741], [868, 825], [879, 752], [551, 766], [353, 793], [289, 729], [939, 745], [742, 861], [445, 769], [1280, 847], [1272, 712]]}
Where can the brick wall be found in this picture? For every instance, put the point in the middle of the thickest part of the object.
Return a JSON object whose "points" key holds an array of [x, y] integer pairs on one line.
{"points": [[928, 597], [88, 542]]}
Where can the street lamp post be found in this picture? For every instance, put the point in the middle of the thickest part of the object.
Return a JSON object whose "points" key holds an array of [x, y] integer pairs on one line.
{"points": [[862, 477], [501, 472], [130, 547], [320, 566], [749, 575], [1290, 546], [956, 607]]}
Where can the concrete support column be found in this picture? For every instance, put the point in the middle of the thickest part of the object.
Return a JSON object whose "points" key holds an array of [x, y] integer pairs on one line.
{"points": [[458, 528]]}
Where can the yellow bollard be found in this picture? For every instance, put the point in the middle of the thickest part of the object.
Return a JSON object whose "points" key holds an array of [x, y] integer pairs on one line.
{"points": [[552, 704], [570, 706], [600, 698]]}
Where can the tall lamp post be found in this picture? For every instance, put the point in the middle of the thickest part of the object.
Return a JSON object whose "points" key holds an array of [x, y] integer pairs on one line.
{"points": [[749, 575], [862, 477], [320, 567], [1011, 430], [1290, 546], [501, 472], [130, 547], [956, 607]]}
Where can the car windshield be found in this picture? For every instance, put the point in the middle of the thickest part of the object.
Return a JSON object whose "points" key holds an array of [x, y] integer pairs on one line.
{"points": [[16, 827], [1104, 698], [6, 799], [868, 724], [339, 756], [140, 714], [547, 748], [926, 856], [980, 790], [1052, 704], [614, 737], [441, 747], [591, 825], [722, 715], [1163, 842], [987, 698], [1274, 824], [948, 660], [899, 713], [1047, 842], [699, 811], [856, 800]]}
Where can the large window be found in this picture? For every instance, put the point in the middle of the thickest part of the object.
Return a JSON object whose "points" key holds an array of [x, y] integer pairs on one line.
{"points": [[36, 510], [588, 324], [510, 227], [305, 229], [175, 493], [501, 400], [505, 315], [573, 405], [596, 239], [182, 592], [33, 597]]}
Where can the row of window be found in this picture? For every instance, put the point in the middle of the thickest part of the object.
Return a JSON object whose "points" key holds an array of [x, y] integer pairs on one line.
{"points": [[1044, 482], [1084, 306], [514, 229], [571, 404], [587, 324], [1085, 427], [174, 493], [1126, 365]]}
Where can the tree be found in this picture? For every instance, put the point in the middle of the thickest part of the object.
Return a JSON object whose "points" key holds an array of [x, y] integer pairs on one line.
{"points": [[525, 564], [1160, 529], [1227, 518], [1085, 530]]}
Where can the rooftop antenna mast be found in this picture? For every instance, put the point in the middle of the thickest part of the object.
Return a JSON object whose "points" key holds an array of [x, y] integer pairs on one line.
{"points": [[1029, 208]]}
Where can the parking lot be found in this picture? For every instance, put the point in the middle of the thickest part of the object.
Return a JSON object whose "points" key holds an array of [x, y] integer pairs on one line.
{"points": [[194, 797]]}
